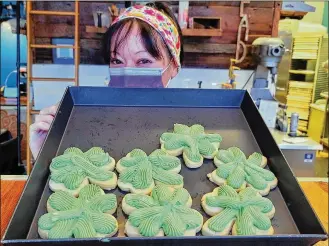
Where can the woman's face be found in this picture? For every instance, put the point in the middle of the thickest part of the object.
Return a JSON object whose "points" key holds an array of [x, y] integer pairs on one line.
{"points": [[132, 53]]}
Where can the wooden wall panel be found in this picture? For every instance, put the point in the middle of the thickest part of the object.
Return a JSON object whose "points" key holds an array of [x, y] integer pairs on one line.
{"points": [[260, 19], [214, 61], [199, 51], [257, 4]]}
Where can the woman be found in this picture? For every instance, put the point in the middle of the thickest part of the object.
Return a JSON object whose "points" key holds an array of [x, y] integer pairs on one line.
{"points": [[141, 37]]}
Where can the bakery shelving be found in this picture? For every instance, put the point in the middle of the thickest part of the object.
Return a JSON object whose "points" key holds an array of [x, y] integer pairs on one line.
{"points": [[30, 26], [302, 76], [94, 29], [321, 76], [202, 32]]}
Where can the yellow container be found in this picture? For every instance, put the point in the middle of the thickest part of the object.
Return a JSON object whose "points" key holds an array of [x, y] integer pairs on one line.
{"points": [[316, 121]]}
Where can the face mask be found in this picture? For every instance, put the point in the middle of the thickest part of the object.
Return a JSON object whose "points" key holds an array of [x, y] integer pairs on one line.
{"points": [[131, 77], [168, 83]]}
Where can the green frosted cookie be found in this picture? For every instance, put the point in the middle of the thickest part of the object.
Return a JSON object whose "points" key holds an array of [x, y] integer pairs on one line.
{"points": [[235, 170], [74, 169], [192, 142], [166, 212], [139, 172], [87, 216], [243, 213]]}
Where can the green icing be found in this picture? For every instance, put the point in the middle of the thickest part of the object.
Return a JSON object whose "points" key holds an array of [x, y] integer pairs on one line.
{"points": [[195, 143], [160, 159], [60, 201], [246, 208], [190, 217], [98, 157], [61, 161], [230, 155], [256, 158], [138, 201], [91, 170], [165, 209], [70, 176], [141, 170], [103, 223], [139, 176], [80, 217], [219, 222], [256, 181], [84, 228], [223, 191], [73, 150], [74, 166], [236, 178], [236, 169], [166, 177], [62, 229]]}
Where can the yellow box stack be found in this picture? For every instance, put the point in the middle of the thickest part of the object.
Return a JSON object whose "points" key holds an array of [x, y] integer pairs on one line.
{"points": [[301, 84]]}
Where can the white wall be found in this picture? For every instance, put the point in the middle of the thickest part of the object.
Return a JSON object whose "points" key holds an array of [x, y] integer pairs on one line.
{"points": [[48, 93], [317, 16]]}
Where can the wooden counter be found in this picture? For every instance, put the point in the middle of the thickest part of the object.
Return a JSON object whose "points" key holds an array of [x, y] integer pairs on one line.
{"points": [[316, 192], [10, 193], [12, 101]]}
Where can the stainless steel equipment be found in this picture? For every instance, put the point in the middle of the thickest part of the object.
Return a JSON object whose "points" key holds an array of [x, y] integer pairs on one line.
{"points": [[282, 79], [294, 123], [268, 53]]}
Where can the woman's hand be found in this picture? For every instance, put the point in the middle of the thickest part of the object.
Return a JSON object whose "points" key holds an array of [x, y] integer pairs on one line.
{"points": [[40, 128]]}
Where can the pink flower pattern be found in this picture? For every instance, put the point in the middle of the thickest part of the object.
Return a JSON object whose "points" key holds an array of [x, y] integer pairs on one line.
{"points": [[159, 21]]}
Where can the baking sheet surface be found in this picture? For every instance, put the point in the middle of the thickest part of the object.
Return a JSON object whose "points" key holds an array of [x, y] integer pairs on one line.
{"points": [[120, 129]]}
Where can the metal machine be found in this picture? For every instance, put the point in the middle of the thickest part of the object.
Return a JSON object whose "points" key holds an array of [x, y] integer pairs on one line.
{"points": [[268, 53]]}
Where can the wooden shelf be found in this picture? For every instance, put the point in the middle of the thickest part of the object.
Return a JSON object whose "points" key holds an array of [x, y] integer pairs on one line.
{"points": [[52, 46], [202, 32], [305, 72], [324, 141], [12, 101], [46, 12], [94, 29], [53, 79], [324, 95]]}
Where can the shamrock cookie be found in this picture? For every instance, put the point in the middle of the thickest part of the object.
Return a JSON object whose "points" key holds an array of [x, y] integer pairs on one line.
{"points": [[99, 158], [74, 169], [166, 212], [235, 170], [139, 172], [87, 216], [243, 213], [192, 142]]}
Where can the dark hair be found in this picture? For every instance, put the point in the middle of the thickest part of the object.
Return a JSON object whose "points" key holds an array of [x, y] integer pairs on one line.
{"points": [[148, 34]]}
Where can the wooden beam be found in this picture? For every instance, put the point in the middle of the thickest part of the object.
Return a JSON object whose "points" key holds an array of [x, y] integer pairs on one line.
{"points": [[202, 32], [94, 29], [214, 61], [47, 12], [90, 44], [276, 19], [76, 42], [62, 31], [52, 46], [209, 48], [252, 4], [29, 25], [228, 38]]}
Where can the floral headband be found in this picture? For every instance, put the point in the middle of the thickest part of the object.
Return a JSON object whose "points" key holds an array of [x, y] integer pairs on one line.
{"points": [[160, 22]]}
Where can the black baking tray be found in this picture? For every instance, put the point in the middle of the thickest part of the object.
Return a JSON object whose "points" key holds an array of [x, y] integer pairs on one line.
{"points": [[120, 120]]}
